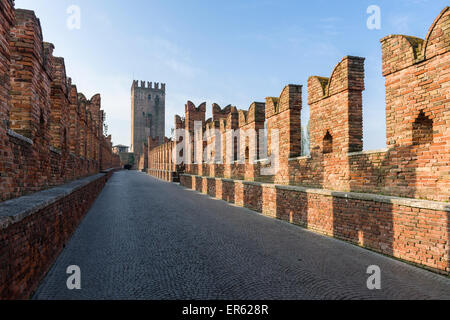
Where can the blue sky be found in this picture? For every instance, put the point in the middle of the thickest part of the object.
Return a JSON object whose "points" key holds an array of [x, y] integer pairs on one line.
{"points": [[228, 52]]}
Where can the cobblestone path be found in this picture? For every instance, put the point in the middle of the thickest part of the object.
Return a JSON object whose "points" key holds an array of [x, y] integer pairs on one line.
{"points": [[147, 239]]}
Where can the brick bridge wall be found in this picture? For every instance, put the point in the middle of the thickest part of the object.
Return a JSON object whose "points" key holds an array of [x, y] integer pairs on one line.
{"points": [[414, 166], [35, 228], [412, 230], [49, 133], [160, 162]]}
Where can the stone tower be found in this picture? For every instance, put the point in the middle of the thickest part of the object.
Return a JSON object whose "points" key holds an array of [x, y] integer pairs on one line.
{"points": [[148, 111]]}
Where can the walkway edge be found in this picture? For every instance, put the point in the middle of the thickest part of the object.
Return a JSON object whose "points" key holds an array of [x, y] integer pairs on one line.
{"points": [[35, 228], [378, 223]]}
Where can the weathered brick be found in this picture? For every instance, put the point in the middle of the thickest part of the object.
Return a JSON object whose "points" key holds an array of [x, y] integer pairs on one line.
{"points": [[415, 165], [49, 134]]}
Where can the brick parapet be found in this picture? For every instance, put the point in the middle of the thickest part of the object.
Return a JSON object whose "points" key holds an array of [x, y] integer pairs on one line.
{"points": [[376, 222], [47, 137], [416, 161], [49, 217], [394, 200]]}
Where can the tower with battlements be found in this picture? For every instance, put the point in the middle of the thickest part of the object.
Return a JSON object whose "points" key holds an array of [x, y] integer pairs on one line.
{"points": [[148, 111]]}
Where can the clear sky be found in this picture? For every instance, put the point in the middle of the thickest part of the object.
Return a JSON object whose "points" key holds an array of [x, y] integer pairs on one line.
{"points": [[228, 52]]}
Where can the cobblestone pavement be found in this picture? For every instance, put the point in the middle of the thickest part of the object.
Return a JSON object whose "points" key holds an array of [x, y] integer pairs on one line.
{"points": [[147, 239]]}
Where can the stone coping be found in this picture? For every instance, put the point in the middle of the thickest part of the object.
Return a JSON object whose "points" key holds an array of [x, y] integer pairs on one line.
{"points": [[160, 170], [263, 161], [16, 135], [15, 210], [408, 202], [350, 154], [368, 152], [55, 150], [300, 158]]}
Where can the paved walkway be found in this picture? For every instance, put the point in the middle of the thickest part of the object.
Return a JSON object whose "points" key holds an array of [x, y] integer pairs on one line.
{"points": [[147, 239]]}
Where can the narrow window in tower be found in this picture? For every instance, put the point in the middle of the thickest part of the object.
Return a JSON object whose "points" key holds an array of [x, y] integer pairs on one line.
{"points": [[149, 97], [148, 120]]}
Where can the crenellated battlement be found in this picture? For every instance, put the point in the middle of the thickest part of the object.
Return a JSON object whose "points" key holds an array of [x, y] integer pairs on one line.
{"points": [[290, 99], [212, 124], [400, 51], [60, 79], [417, 96], [179, 122], [336, 108], [192, 109], [255, 113], [348, 74], [272, 104], [152, 142], [41, 106], [23, 16], [96, 99], [156, 86], [219, 113], [7, 11], [339, 189]]}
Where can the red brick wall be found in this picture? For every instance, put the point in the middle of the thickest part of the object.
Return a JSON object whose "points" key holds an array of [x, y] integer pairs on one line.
{"points": [[27, 256], [74, 130], [414, 231], [336, 107], [416, 162], [250, 124], [59, 111], [194, 114], [415, 165], [418, 92], [49, 134], [230, 143], [30, 76], [283, 115], [160, 162], [6, 22]]}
